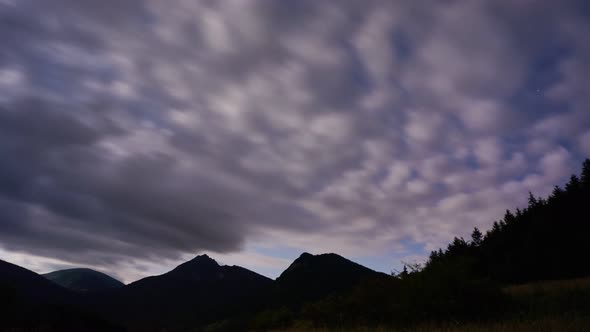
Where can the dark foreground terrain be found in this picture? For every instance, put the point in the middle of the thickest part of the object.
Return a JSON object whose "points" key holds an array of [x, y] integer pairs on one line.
{"points": [[560, 305]]}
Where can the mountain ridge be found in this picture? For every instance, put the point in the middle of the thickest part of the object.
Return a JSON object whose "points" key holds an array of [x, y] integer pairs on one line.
{"points": [[200, 290], [83, 280], [311, 277], [195, 292]]}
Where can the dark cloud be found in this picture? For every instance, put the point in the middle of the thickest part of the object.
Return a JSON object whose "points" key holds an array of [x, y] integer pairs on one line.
{"points": [[140, 130]]}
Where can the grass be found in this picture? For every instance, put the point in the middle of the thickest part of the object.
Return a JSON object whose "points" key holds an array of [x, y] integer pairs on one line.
{"points": [[549, 287], [547, 324], [548, 306]]}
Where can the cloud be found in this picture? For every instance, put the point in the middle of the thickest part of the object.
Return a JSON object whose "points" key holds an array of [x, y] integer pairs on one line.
{"points": [[584, 142], [141, 131], [488, 151]]}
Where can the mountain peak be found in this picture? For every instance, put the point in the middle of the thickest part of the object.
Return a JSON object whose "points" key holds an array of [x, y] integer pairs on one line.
{"points": [[310, 277], [198, 266], [307, 261], [326, 257], [203, 257], [305, 255], [201, 260]]}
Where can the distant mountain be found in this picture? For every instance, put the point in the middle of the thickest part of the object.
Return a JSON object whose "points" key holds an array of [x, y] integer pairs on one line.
{"points": [[196, 292], [30, 302], [83, 280], [311, 277], [30, 288]]}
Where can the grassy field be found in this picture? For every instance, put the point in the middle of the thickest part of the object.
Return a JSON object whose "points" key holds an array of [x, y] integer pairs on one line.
{"points": [[550, 306], [549, 287], [558, 324]]}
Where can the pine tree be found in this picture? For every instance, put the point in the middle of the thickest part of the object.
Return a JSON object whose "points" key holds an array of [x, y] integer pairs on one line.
{"points": [[533, 202], [585, 177], [495, 228], [476, 237], [557, 192], [458, 246], [509, 217], [574, 185], [404, 273]]}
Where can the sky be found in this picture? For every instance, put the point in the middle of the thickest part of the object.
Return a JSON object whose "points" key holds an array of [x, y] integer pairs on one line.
{"points": [[135, 135]]}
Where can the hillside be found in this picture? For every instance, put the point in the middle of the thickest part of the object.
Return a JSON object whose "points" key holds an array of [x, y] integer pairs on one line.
{"points": [[312, 277], [195, 292], [83, 280], [29, 288], [551, 306], [32, 303], [544, 240]]}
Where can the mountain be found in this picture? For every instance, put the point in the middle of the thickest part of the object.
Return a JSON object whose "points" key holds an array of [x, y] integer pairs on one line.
{"points": [[30, 302], [27, 287], [83, 280], [311, 277], [194, 293]]}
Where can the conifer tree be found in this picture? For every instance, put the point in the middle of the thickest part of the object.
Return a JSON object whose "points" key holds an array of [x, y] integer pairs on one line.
{"points": [[557, 193], [509, 217], [573, 185], [585, 177], [533, 202], [476, 237]]}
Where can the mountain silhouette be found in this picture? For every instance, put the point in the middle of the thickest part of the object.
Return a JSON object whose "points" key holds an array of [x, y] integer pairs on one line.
{"points": [[29, 287], [194, 293], [311, 277], [30, 302], [83, 280]]}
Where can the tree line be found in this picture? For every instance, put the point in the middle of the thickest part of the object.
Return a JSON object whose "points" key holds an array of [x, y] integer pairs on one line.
{"points": [[546, 240]]}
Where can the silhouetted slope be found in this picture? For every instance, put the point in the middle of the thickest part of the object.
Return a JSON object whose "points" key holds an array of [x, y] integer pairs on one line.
{"points": [[83, 280], [312, 277], [29, 302], [546, 240], [30, 288], [196, 292]]}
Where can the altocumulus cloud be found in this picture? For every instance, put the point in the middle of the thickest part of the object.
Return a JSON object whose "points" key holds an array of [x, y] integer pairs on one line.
{"points": [[147, 131]]}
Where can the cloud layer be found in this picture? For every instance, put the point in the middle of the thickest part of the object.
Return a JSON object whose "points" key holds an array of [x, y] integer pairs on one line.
{"points": [[143, 131]]}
